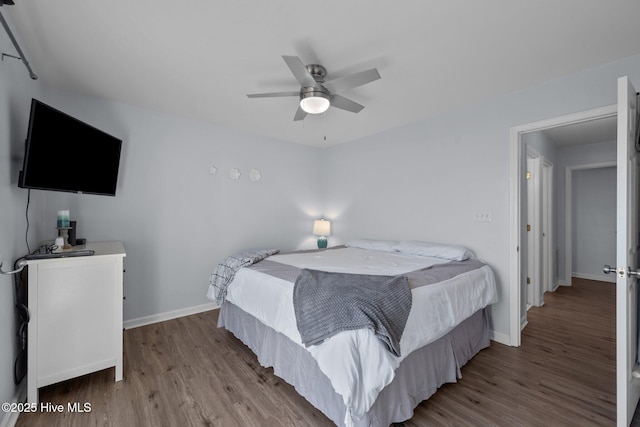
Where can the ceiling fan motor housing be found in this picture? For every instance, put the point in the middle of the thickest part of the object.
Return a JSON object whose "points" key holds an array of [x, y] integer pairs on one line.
{"points": [[309, 91], [317, 71]]}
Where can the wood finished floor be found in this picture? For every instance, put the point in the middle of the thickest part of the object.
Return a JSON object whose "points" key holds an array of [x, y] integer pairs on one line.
{"points": [[186, 372]]}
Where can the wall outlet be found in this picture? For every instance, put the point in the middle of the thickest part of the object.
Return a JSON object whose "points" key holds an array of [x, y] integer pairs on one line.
{"points": [[482, 216]]}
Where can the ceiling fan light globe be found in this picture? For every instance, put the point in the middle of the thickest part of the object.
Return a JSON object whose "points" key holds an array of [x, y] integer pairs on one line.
{"points": [[314, 104]]}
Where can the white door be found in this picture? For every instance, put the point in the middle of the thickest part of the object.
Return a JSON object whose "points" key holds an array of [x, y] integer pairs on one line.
{"points": [[628, 385]]}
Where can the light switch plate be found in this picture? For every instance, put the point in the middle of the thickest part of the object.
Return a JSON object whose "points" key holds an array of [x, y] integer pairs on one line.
{"points": [[482, 216]]}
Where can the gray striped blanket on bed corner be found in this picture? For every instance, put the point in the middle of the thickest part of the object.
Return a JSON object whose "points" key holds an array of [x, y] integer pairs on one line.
{"points": [[226, 270]]}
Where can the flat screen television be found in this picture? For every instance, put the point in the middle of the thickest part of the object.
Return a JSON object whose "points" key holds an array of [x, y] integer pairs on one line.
{"points": [[65, 154]]}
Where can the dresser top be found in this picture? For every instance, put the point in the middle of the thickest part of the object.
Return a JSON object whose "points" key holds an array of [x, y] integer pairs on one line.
{"points": [[114, 248]]}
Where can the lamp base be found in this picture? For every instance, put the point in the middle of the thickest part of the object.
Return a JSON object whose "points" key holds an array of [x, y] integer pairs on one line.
{"points": [[322, 242]]}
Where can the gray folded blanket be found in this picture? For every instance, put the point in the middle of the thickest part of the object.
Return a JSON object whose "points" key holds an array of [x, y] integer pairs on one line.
{"points": [[326, 303]]}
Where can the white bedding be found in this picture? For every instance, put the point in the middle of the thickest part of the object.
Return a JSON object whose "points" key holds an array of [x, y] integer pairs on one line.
{"points": [[356, 362]]}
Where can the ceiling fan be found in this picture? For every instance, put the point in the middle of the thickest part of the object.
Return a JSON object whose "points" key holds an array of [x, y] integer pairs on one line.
{"points": [[316, 95]]}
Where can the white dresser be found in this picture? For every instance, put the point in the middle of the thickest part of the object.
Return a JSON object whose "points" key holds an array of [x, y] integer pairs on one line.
{"points": [[75, 306]]}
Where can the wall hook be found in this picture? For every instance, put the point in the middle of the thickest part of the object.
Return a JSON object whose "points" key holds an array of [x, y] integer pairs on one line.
{"points": [[10, 56]]}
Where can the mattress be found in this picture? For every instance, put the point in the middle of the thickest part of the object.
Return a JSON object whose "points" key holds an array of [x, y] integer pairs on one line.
{"points": [[364, 367]]}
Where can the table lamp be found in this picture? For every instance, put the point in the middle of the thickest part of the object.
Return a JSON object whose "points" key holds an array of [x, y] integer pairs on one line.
{"points": [[322, 228]]}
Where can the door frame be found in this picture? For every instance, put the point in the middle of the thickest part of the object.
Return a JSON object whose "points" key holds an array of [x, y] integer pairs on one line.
{"points": [[532, 218], [516, 180], [548, 232]]}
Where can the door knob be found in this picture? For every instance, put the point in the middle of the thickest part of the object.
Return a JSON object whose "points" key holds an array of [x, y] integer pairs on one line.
{"points": [[621, 272], [631, 272]]}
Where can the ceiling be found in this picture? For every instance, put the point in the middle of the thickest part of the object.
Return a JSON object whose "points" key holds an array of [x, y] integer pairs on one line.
{"points": [[199, 58], [604, 129]]}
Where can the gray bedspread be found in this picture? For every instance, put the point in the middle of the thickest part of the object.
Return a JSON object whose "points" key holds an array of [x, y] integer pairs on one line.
{"points": [[226, 270], [326, 303], [277, 269], [425, 276], [441, 272]]}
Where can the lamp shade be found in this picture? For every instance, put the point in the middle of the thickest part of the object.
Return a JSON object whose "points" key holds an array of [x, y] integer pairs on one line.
{"points": [[314, 102], [322, 227]]}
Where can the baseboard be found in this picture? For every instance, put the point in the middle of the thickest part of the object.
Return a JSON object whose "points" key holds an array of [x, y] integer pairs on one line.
{"points": [[499, 337], [10, 418], [600, 278], [161, 317]]}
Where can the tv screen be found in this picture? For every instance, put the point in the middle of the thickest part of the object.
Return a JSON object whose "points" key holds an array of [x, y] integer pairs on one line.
{"points": [[64, 154]]}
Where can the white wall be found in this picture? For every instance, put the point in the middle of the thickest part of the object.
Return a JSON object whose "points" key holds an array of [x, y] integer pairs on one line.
{"points": [[542, 145], [425, 180], [16, 89], [594, 222], [175, 219]]}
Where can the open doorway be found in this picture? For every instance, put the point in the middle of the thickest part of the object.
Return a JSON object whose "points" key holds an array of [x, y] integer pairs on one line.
{"points": [[548, 139], [591, 220]]}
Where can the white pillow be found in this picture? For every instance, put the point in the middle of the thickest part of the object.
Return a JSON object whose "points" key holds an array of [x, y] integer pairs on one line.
{"points": [[436, 250], [375, 245]]}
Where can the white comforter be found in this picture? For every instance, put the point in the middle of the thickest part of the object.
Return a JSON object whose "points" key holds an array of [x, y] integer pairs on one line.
{"points": [[356, 362]]}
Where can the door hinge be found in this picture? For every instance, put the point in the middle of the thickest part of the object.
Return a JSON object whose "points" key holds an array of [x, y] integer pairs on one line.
{"points": [[528, 280], [528, 227]]}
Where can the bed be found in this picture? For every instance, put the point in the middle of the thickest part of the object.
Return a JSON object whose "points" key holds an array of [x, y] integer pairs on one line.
{"points": [[369, 375]]}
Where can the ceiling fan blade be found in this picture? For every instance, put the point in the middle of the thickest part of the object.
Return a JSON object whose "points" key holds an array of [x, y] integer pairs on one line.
{"points": [[273, 94], [345, 104], [299, 70], [352, 80], [300, 114]]}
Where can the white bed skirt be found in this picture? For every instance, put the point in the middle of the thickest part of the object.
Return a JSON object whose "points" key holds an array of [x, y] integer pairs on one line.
{"points": [[417, 378]]}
